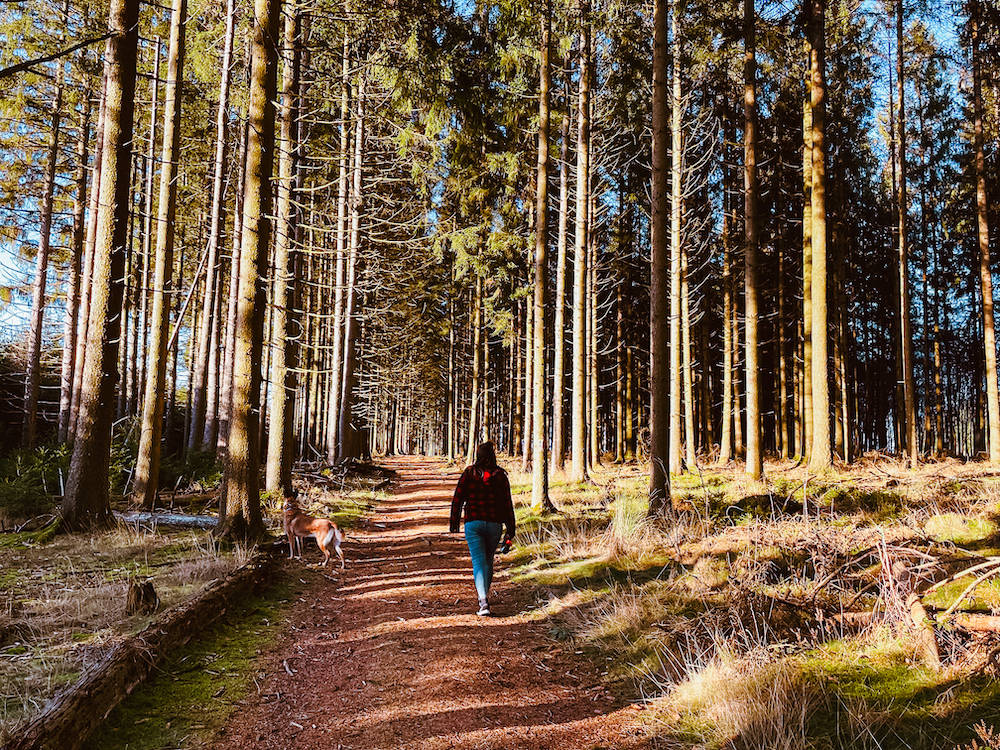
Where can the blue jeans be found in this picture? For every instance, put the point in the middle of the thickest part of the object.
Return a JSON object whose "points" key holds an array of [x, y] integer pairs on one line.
{"points": [[483, 538]]}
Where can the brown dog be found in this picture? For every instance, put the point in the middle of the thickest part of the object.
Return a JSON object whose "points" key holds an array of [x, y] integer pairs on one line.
{"points": [[300, 525]]}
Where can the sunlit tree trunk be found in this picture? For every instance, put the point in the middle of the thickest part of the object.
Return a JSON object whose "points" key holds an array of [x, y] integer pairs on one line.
{"points": [[730, 336], [820, 456], [690, 446], [559, 327], [540, 500], [902, 208], [223, 415], [475, 409], [676, 203], [240, 516], [280, 443], [806, 434], [343, 192], [142, 336], [86, 502], [983, 236], [148, 464], [754, 462], [578, 470], [347, 445]]}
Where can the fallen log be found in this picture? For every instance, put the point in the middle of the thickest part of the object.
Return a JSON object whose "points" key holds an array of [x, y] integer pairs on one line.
{"points": [[73, 714], [170, 519]]}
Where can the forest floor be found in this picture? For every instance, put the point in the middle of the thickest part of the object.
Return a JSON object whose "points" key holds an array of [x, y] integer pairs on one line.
{"points": [[389, 653]]}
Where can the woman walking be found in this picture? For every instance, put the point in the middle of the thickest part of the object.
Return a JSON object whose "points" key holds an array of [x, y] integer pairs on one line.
{"points": [[483, 491]]}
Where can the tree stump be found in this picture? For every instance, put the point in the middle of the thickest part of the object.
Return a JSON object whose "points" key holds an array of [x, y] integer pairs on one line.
{"points": [[141, 598]]}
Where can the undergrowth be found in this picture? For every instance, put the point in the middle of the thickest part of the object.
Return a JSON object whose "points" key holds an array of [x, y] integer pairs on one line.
{"points": [[723, 613]]}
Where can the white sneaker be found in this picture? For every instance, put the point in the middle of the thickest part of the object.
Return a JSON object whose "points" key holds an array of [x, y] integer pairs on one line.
{"points": [[484, 609]]}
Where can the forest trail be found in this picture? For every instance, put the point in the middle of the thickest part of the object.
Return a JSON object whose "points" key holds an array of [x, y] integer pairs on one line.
{"points": [[390, 654]]}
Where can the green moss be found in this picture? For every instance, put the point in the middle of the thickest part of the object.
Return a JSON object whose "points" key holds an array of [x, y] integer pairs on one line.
{"points": [[984, 598], [960, 529], [195, 691], [47, 533]]}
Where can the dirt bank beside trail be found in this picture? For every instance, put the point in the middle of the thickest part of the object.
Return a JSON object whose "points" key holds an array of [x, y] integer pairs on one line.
{"points": [[389, 652]]}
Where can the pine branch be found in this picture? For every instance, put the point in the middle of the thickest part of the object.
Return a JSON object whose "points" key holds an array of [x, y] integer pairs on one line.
{"points": [[28, 64]]}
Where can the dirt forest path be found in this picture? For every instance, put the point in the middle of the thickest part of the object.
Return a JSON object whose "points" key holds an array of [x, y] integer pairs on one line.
{"points": [[390, 654]]}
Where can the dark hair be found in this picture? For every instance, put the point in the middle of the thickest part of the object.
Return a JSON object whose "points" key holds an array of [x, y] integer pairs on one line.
{"points": [[486, 457]]}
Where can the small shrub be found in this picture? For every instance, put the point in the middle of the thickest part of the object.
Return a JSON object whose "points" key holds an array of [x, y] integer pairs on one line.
{"points": [[31, 479], [195, 468]]}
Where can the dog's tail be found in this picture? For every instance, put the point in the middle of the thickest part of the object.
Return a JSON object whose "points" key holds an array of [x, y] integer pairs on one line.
{"points": [[332, 533]]}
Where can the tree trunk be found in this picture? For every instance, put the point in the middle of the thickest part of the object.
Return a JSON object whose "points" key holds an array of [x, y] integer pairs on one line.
{"points": [[982, 223], [806, 433], [578, 470], [148, 464], [241, 517], [209, 319], [820, 456], [730, 335], [754, 464], [540, 501], [74, 283], [28, 433], [86, 502], [659, 422], [280, 442], [902, 208], [347, 433], [343, 192], [475, 408], [87, 273], [676, 204], [559, 325], [142, 335]]}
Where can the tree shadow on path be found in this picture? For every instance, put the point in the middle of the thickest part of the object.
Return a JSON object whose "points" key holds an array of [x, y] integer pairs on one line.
{"points": [[387, 654]]}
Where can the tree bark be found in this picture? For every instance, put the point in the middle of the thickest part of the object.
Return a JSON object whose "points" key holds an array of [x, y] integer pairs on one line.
{"points": [[347, 446], [902, 208], [147, 468], [31, 386], [676, 200], [540, 500], [559, 324], [343, 192], [241, 493], [74, 283], [659, 422], [578, 470], [475, 422], [820, 456], [280, 442], [983, 236], [754, 462], [86, 502], [213, 286]]}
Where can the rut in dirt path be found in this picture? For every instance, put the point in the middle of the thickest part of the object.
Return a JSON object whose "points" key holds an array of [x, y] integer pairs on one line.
{"points": [[388, 653]]}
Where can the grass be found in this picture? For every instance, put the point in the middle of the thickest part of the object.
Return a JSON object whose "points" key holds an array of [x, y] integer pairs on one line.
{"points": [[711, 613]]}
